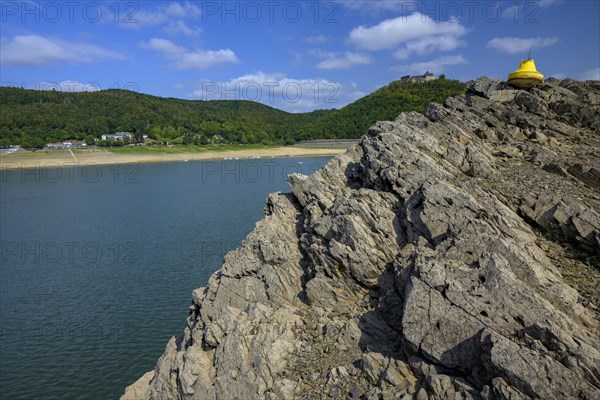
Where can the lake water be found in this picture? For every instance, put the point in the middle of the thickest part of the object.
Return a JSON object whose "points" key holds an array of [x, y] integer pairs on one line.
{"points": [[97, 264]]}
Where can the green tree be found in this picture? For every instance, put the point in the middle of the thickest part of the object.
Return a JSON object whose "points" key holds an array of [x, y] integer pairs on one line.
{"points": [[33, 118]]}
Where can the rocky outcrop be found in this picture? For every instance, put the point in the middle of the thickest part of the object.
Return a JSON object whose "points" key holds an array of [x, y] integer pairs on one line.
{"points": [[446, 255]]}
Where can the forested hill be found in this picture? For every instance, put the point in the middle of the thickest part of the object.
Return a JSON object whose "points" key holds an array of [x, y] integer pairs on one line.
{"points": [[32, 118], [384, 104]]}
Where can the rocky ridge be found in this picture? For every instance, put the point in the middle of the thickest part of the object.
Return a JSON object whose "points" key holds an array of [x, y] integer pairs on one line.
{"points": [[446, 255]]}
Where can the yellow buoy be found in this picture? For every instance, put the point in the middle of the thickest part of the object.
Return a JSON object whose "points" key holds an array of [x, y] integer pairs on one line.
{"points": [[525, 76]]}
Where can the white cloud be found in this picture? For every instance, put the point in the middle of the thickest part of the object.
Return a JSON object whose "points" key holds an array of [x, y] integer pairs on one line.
{"points": [[515, 45], [394, 32], [343, 60], [429, 45], [170, 17], [357, 95], [164, 46], [511, 12], [36, 50], [591, 75], [523, 10], [163, 14], [317, 39], [277, 90], [436, 66], [180, 27], [182, 11], [182, 58], [557, 75], [546, 3], [408, 7], [202, 59]]}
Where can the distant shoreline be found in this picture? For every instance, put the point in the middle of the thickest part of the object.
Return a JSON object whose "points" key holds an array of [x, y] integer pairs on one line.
{"points": [[64, 158]]}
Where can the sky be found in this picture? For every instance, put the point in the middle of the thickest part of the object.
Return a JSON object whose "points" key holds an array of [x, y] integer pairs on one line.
{"points": [[293, 55]]}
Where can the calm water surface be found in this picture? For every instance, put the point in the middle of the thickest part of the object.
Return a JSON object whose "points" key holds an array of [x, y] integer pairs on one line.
{"points": [[97, 264]]}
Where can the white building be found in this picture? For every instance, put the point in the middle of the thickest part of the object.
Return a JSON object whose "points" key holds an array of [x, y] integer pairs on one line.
{"points": [[116, 136], [67, 144]]}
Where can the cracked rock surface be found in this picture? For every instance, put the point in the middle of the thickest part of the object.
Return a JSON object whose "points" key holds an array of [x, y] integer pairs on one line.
{"points": [[452, 255]]}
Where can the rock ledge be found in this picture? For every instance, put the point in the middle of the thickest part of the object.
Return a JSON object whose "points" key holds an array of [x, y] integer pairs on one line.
{"points": [[446, 255]]}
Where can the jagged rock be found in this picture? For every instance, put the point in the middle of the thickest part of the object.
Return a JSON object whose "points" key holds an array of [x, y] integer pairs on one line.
{"points": [[588, 175], [555, 169], [567, 215], [531, 103], [484, 86], [140, 389], [427, 262]]}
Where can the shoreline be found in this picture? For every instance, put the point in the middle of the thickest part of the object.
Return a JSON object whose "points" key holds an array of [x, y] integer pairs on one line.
{"points": [[64, 158]]}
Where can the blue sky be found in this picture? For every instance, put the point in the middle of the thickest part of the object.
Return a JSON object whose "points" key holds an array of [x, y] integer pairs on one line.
{"points": [[293, 55]]}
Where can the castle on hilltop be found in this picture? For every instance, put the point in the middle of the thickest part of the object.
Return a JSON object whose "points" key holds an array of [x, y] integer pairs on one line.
{"points": [[428, 76]]}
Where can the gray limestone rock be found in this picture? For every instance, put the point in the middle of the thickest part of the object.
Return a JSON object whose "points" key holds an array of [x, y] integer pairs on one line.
{"points": [[446, 255]]}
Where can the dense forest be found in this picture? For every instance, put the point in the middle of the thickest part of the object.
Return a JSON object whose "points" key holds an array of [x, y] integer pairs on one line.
{"points": [[384, 104], [32, 118]]}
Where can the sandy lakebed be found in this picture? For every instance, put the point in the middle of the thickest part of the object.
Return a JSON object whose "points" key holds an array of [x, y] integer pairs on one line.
{"points": [[60, 158]]}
